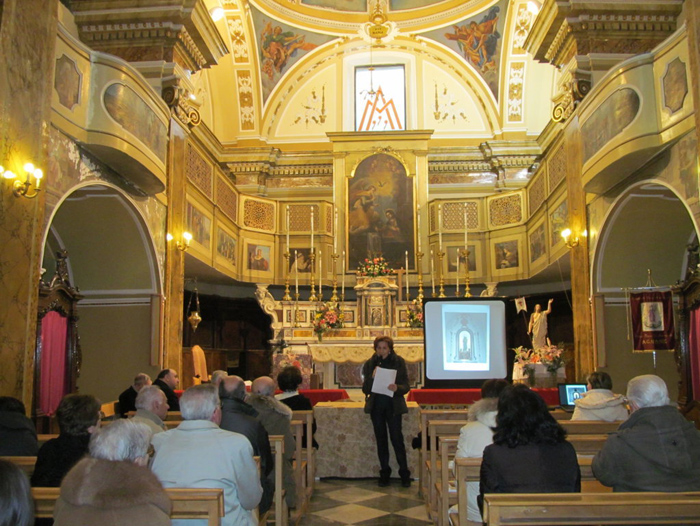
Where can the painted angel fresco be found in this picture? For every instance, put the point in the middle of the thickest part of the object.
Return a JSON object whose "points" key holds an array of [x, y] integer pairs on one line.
{"points": [[478, 41], [278, 47]]}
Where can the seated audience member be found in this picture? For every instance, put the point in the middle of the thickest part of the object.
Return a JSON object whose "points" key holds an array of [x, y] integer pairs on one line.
{"points": [[78, 417], [655, 449], [599, 402], [113, 486], [151, 408], [239, 417], [478, 434], [288, 380], [17, 432], [529, 453], [198, 454], [217, 376], [168, 380], [16, 503], [276, 418], [127, 400]]}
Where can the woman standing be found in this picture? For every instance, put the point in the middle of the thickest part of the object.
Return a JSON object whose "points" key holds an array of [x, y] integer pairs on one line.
{"points": [[529, 453], [386, 411]]}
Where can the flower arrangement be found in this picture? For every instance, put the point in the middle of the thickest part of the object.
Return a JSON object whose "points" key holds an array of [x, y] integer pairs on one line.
{"points": [[550, 356], [374, 267], [415, 315], [328, 317]]}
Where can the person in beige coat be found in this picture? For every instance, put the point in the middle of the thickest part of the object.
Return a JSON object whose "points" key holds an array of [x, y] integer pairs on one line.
{"points": [[599, 402], [113, 486]]}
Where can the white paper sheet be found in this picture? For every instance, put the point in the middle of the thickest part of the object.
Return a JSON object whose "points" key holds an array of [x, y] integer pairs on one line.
{"points": [[382, 379]]}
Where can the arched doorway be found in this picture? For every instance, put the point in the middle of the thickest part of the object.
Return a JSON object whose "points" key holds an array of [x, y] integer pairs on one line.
{"points": [[112, 260], [647, 227]]}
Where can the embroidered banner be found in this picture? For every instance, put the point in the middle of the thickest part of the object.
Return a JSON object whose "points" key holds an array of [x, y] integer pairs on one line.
{"points": [[652, 321]]}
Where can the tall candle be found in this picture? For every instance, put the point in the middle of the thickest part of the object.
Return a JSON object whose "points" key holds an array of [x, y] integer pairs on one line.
{"points": [[296, 271], [320, 272], [457, 283], [335, 232], [432, 271], [342, 290], [418, 223], [440, 228], [312, 229], [466, 235], [406, 275], [287, 228]]}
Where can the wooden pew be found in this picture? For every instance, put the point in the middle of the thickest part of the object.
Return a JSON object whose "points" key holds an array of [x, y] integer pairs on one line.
{"points": [[591, 508], [43, 439], [437, 428], [425, 416], [188, 503], [110, 410], [26, 464], [307, 418], [172, 415], [444, 487], [589, 427], [301, 475], [587, 444], [469, 470], [279, 504]]}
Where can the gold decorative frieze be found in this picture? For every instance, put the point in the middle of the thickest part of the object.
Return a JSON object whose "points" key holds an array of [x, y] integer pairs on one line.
{"points": [[259, 214], [181, 107], [313, 109], [556, 168], [516, 93], [244, 83], [523, 22], [453, 216], [349, 353], [239, 46], [198, 170], [537, 193], [300, 217], [506, 210]]}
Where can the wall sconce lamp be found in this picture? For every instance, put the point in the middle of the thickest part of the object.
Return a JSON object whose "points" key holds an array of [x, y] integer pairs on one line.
{"points": [[569, 241], [20, 188], [181, 245]]}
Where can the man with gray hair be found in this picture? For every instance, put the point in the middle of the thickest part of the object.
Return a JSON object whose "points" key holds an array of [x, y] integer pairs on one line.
{"points": [[127, 400], [151, 408], [656, 449], [217, 376], [113, 485], [198, 454], [276, 419]]}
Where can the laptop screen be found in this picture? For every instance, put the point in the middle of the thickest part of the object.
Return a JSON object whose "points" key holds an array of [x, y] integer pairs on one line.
{"points": [[570, 392]]}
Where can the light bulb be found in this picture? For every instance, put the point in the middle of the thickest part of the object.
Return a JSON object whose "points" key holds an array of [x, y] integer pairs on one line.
{"points": [[29, 168], [187, 237], [217, 13]]}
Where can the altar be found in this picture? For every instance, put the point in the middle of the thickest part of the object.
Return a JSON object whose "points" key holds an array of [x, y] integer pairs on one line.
{"points": [[347, 447], [542, 377]]}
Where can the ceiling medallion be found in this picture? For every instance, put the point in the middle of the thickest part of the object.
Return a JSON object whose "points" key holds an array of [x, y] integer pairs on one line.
{"points": [[379, 30]]}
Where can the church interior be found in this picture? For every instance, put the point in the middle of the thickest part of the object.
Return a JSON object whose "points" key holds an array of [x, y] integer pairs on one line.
{"points": [[213, 174]]}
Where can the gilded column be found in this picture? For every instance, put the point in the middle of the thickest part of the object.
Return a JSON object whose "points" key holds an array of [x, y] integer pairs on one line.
{"points": [[580, 269], [27, 43]]}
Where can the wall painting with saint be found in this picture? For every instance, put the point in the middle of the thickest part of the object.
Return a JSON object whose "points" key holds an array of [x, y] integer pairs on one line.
{"points": [[380, 212]]}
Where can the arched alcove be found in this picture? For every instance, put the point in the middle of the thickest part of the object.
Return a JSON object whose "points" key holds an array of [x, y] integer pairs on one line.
{"points": [[112, 260], [648, 227]]}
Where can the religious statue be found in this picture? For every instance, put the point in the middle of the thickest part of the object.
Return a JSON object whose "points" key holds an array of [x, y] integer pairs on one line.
{"points": [[538, 326]]}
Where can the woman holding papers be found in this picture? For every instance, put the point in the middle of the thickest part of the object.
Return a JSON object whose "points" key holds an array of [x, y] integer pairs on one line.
{"points": [[385, 384]]}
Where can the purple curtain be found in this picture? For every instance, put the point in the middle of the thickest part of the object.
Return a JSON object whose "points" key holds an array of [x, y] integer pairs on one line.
{"points": [[694, 351], [54, 330]]}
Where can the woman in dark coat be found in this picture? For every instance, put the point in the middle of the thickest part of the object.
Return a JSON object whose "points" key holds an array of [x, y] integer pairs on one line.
{"points": [[288, 380], [529, 453], [386, 411]]}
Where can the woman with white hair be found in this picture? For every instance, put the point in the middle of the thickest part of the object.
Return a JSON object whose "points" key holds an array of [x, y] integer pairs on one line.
{"points": [[113, 486], [655, 449]]}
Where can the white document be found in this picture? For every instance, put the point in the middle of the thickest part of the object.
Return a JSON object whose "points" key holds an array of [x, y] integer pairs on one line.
{"points": [[382, 379]]}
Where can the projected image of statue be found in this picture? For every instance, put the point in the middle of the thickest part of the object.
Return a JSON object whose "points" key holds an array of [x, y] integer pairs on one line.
{"points": [[466, 340]]}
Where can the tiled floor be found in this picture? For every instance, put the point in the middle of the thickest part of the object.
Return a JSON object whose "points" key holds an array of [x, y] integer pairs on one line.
{"points": [[343, 502]]}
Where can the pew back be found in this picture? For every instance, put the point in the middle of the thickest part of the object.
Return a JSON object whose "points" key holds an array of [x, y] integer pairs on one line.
{"points": [[427, 415], [26, 464]]}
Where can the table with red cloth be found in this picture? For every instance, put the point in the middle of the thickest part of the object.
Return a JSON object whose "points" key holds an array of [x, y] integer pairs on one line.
{"points": [[467, 396], [315, 395]]}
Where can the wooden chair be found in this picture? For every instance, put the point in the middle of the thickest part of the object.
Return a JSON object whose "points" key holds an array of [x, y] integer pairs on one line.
{"points": [[280, 504], [307, 419], [562, 509], [425, 416], [301, 471], [445, 488], [26, 464], [188, 503]]}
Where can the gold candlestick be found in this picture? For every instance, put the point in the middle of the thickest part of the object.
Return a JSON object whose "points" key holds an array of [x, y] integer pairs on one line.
{"points": [[312, 258], [464, 253], [287, 296], [334, 296], [296, 309], [441, 256], [419, 257]]}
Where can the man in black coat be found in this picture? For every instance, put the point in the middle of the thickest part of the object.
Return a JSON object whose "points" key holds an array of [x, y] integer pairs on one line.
{"points": [[127, 400], [239, 417], [168, 380], [17, 432]]}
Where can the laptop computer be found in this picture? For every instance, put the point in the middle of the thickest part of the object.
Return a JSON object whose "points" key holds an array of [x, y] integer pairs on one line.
{"points": [[568, 393]]}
